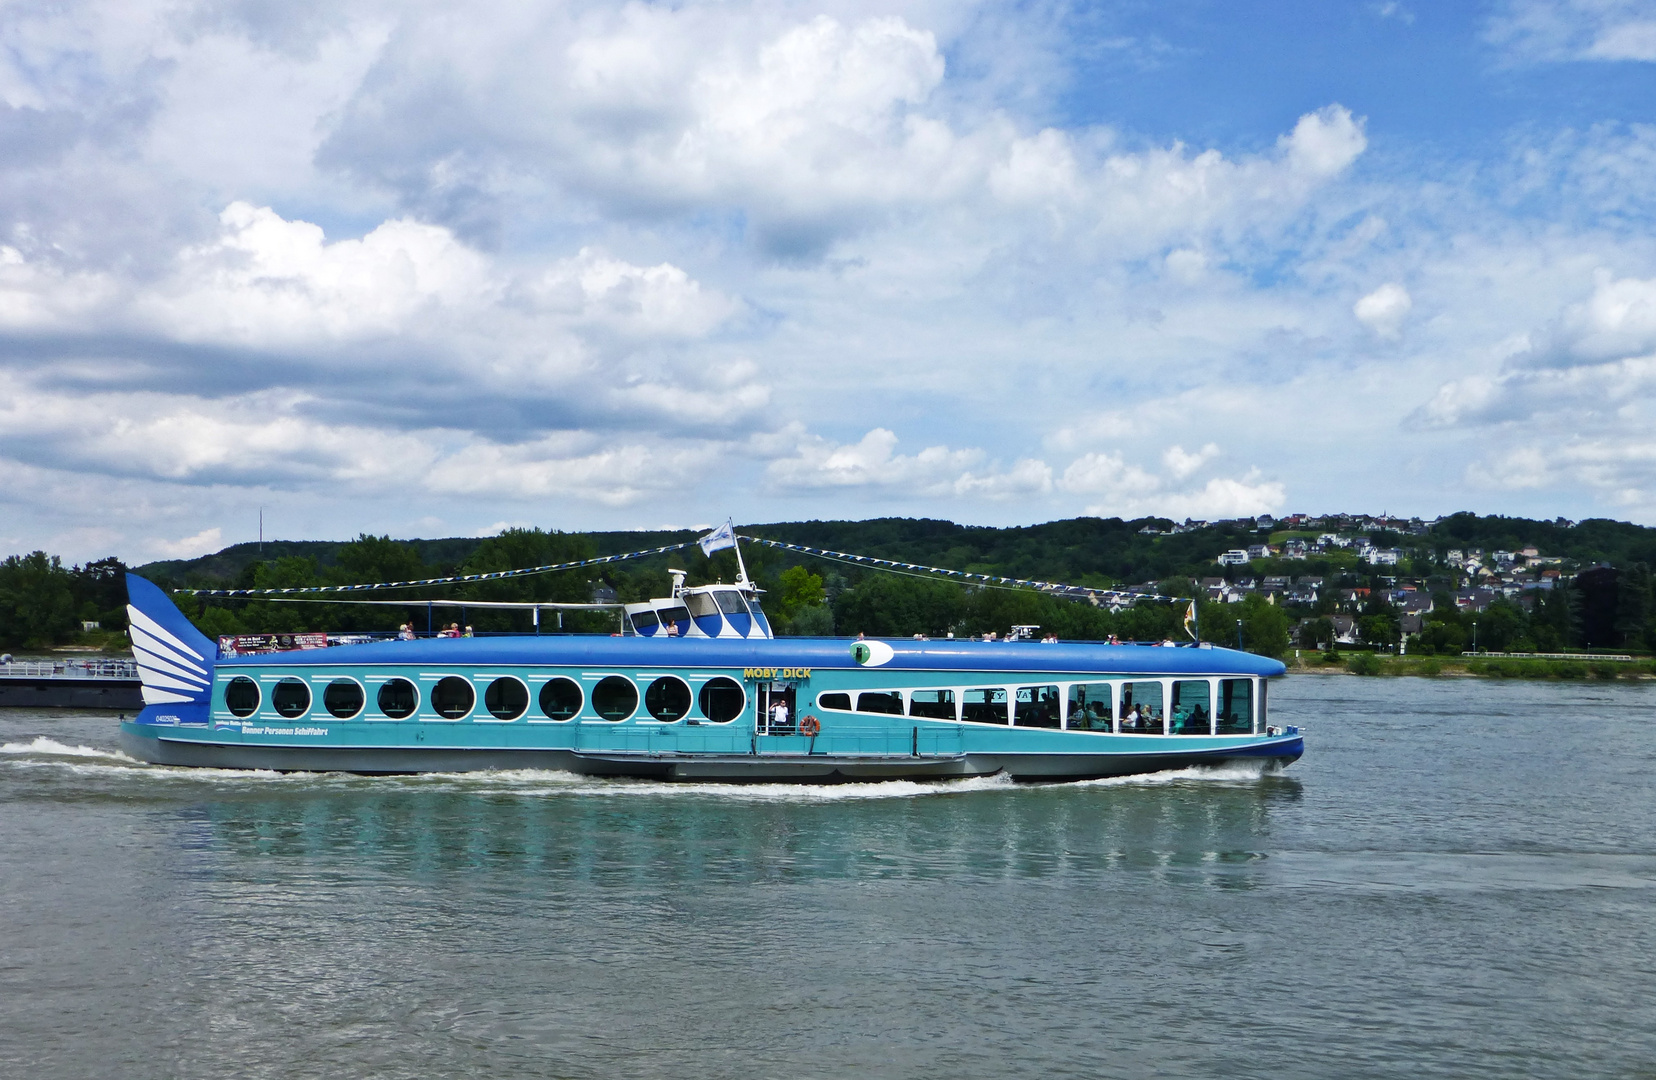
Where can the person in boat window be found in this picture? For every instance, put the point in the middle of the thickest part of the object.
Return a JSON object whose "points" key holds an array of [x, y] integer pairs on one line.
{"points": [[468, 632], [405, 632], [452, 631], [779, 715]]}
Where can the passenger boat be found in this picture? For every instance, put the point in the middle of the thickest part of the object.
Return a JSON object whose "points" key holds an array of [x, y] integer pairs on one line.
{"points": [[699, 689]]}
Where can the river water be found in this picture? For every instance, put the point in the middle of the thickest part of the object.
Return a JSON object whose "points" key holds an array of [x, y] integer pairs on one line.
{"points": [[1459, 879]]}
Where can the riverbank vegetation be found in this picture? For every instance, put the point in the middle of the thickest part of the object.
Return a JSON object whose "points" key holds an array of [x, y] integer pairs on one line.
{"points": [[1611, 604], [1499, 667]]}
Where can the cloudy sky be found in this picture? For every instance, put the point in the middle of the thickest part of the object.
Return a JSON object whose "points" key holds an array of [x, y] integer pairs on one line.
{"points": [[432, 268]]}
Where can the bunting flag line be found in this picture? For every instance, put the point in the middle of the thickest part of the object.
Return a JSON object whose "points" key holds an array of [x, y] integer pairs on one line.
{"points": [[722, 537], [499, 575], [1115, 598]]}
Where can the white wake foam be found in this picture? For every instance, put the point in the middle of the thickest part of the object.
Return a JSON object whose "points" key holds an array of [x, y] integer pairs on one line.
{"points": [[44, 752], [540, 782], [52, 748], [1231, 772]]}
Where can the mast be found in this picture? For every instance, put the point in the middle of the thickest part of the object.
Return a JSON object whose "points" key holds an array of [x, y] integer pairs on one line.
{"points": [[741, 567]]}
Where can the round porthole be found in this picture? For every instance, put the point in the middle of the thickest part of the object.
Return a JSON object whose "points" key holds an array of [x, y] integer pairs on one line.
{"points": [[560, 699], [290, 698], [241, 696], [398, 698], [722, 700], [614, 698], [506, 698], [667, 699], [453, 697], [343, 698]]}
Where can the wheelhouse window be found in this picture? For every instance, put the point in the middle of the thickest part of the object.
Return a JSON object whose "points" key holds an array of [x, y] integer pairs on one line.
{"points": [[343, 698], [1192, 707], [667, 699], [241, 696], [398, 699], [678, 614], [1036, 706], [730, 602], [889, 702], [290, 698], [1141, 708], [645, 622], [506, 698], [561, 699], [701, 604], [984, 705], [1091, 706], [453, 697], [1235, 714], [614, 698], [834, 701], [932, 704], [722, 700]]}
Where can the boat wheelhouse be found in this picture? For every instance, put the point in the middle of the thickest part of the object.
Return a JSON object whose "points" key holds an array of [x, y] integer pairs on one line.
{"points": [[697, 704], [700, 611]]}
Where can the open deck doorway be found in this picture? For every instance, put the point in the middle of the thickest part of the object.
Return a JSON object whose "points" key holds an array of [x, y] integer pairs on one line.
{"points": [[770, 696]]}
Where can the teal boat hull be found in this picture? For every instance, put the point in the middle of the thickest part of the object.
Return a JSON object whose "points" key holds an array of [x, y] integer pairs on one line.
{"points": [[763, 710]]}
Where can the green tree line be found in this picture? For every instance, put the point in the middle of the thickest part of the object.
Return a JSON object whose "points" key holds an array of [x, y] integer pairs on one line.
{"points": [[43, 602]]}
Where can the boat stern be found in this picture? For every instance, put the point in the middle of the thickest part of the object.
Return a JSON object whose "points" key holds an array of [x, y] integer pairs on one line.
{"points": [[175, 660]]}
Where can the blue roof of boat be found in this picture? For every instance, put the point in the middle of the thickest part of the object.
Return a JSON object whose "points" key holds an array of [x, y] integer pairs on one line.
{"points": [[639, 652]]}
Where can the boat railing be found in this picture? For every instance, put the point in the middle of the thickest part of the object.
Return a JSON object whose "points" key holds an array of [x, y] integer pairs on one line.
{"points": [[114, 670]]}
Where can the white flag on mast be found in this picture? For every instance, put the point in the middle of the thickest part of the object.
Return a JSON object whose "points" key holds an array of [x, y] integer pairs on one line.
{"points": [[719, 539]]}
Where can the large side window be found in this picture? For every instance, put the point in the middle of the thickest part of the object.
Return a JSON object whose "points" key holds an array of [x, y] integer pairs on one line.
{"points": [[667, 699], [834, 701], [722, 700], [1192, 709], [1141, 707], [1235, 706], [614, 698], [889, 702], [1091, 707], [561, 699], [241, 696], [932, 704], [398, 698], [984, 705], [1036, 706]]}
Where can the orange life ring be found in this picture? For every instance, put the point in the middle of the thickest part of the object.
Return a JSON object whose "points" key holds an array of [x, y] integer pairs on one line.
{"points": [[809, 725]]}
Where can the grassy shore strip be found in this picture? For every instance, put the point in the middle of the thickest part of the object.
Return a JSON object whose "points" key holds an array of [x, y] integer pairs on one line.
{"points": [[1367, 663]]}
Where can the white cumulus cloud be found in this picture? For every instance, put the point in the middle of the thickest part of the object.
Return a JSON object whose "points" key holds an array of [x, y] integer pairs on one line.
{"points": [[1384, 310]]}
